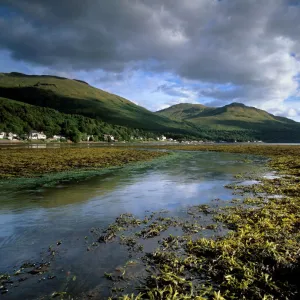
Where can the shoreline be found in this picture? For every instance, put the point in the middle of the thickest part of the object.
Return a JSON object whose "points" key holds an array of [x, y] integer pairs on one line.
{"points": [[257, 258], [51, 179]]}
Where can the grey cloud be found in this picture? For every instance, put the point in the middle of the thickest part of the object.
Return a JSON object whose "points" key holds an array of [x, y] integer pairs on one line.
{"points": [[231, 95], [246, 43], [109, 77], [173, 90]]}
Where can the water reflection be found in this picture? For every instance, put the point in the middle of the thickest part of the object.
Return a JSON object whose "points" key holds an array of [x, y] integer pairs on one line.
{"points": [[32, 220]]}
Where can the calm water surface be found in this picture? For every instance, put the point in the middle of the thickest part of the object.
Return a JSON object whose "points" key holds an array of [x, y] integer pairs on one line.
{"points": [[31, 220]]}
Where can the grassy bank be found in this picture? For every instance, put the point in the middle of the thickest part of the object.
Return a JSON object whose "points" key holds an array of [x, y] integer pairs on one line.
{"points": [[259, 258], [29, 167]]}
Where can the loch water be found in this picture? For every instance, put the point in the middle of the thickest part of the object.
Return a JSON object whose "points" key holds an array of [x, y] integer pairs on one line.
{"points": [[32, 220]]}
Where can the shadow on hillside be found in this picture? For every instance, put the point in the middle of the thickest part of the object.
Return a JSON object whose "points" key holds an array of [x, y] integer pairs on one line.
{"points": [[125, 114], [259, 125], [268, 131]]}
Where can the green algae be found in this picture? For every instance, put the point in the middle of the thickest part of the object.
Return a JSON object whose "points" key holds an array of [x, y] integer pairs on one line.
{"points": [[52, 179], [258, 258]]}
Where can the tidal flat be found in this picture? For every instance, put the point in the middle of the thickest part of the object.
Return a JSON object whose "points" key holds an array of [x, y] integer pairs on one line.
{"points": [[258, 258], [37, 167], [189, 228]]}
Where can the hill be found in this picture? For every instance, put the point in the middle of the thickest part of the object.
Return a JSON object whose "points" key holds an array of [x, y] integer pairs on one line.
{"points": [[20, 118], [183, 121], [183, 111], [216, 116], [73, 96], [236, 117]]}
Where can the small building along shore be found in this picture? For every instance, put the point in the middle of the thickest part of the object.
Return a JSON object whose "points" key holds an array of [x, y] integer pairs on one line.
{"points": [[32, 135], [161, 138], [35, 135], [8, 135], [58, 137], [108, 138]]}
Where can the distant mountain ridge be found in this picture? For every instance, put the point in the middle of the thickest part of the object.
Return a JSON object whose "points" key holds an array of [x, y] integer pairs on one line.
{"points": [[230, 117], [182, 111], [231, 122]]}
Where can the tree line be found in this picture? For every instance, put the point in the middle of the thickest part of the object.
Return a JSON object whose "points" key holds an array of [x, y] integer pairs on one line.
{"points": [[21, 118]]}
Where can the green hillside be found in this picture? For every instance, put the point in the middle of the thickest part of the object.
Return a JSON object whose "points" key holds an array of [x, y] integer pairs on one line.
{"points": [[183, 111], [235, 116], [240, 116], [20, 118], [183, 121], [77, 97]]}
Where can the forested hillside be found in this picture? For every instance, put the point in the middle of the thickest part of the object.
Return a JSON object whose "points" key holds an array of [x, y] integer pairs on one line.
{"points": [[73, 107], [20, 118], [77, 97], [238, 118]]}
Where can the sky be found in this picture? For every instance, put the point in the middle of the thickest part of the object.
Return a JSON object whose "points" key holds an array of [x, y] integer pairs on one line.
{"points": [[162, 52]]}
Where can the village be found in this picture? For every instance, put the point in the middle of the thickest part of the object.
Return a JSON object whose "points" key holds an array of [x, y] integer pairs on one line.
{"points": [[34, 135]]}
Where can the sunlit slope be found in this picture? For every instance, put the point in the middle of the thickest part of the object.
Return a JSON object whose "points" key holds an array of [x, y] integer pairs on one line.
{"points": [[235, 116], [77, 97], [183, 111]]}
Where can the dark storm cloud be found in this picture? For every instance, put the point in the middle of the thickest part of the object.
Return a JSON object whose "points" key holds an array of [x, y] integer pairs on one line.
{"points": [[246, 43]]}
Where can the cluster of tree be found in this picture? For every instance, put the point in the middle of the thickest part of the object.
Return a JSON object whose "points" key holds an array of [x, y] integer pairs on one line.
{"points": [[21, 118], [216, 135], [266, 135]]}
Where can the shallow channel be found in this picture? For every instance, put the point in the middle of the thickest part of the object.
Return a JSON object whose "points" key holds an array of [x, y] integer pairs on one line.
{"points": [[33, 220]]}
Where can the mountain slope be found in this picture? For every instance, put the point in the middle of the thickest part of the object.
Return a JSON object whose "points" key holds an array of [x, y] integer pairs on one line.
{"points": [[183, 111], [183, 121], [235, 116], [20, 118], [77, 97]]}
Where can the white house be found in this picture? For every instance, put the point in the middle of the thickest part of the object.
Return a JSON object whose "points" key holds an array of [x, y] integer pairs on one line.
{"points": [[11, 136], [162, 138], [35, 135], [109, 138], [58, 137], [2, 135]]}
